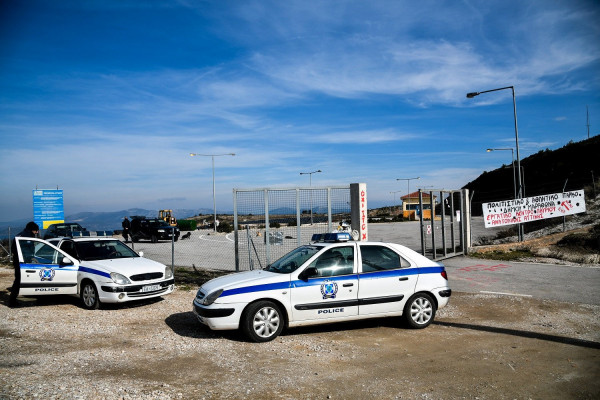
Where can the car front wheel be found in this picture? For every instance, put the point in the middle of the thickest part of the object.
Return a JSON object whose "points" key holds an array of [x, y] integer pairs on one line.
{"points": [[89, 296], [419, 311], [262, 321]]}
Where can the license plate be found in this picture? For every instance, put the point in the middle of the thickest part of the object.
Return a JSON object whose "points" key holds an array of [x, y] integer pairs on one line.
{"points": [[150, 288]]}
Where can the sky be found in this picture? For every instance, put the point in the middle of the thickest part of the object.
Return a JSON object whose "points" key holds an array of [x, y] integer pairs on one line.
{"points": [[106, 99]]}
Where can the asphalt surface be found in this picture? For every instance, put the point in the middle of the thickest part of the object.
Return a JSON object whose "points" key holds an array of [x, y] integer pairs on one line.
{"points": [[572, 284]]}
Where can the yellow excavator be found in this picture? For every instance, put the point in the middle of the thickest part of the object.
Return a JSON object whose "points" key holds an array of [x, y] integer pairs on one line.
{"points": [[167, 216]]}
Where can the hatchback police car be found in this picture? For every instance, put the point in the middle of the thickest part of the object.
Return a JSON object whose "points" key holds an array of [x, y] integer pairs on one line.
{"points": [[97, 269], [330, 280]]}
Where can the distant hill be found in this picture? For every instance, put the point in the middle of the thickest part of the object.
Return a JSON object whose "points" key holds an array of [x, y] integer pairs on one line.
{"points": [[548, 171]]}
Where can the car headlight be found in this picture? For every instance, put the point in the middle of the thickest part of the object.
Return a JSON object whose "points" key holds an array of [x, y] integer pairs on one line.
{"points": [[119, 279], [168, 273], [208, 300]]}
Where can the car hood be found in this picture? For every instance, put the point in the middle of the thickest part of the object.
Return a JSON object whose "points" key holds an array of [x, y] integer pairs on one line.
{"points": [[125, 266], [241, 279]]}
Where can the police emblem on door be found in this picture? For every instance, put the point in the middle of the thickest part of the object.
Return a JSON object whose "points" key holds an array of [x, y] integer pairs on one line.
{"points": [[46, 274], [329, 289]]}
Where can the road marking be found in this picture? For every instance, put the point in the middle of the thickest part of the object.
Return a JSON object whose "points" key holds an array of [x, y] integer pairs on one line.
{"points": [[506, 294], [202, 237]]}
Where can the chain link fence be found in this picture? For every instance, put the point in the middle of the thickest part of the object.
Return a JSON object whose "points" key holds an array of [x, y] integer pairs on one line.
{"points": [[268, 223], [6, 235]]}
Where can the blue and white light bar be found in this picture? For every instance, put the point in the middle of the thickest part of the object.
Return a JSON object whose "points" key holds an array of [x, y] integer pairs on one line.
{"points": [[331, 237]]}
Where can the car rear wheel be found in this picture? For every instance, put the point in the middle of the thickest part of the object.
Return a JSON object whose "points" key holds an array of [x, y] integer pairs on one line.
{"points": [[89, 296], [262, 321], [154, 239], [419, 311]]}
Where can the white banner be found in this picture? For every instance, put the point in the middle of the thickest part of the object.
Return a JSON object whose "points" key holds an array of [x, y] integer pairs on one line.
{"points": [[529, 209]]}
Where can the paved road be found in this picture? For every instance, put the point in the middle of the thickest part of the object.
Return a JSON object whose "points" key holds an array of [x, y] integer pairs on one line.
{"points": [[571, 284]]}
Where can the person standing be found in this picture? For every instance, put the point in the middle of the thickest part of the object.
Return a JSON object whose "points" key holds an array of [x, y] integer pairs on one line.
{"points": [[126, 226], [31, 230]]}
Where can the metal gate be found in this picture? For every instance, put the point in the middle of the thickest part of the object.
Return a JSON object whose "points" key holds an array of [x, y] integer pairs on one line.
{"points": [[270, 222], [446, 231]]}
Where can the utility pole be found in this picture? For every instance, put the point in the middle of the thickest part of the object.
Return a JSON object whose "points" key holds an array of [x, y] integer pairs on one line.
{"points": [[587, 112]]}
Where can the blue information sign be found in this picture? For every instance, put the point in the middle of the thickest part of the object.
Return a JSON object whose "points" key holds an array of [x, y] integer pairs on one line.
{"points": [[48, 207]]}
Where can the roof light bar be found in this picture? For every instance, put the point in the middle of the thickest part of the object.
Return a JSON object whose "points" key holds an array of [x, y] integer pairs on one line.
{"points": [[331, 237]]}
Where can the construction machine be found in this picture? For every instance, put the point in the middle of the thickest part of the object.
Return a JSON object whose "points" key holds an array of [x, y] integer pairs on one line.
{"points": [[167, 216]]}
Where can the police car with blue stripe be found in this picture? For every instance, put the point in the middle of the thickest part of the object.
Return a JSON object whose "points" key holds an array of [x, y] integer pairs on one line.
{"points": [[332, 279], [97, 269]]}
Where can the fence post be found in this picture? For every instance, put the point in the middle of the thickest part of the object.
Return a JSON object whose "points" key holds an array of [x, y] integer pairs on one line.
{"points": [[298, 218], [465, 221], [267, 231], [173, 251], [236, 248], [329, 209], [445, 252], [423, 241]]}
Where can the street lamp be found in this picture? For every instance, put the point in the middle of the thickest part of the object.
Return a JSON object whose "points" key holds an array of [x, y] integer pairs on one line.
{"points": [[408, 184], [513, 165], [520, 188], [310, 184], [213, 179], [394, 193]]}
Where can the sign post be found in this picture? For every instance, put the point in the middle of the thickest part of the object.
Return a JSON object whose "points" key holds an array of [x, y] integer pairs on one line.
{"points": [[48, 207], [359, 211]]}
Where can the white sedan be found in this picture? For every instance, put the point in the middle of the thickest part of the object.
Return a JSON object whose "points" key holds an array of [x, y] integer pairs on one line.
{"points": [[97, 269], [330, 280]]}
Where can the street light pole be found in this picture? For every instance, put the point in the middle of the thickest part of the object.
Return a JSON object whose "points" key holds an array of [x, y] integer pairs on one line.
{"points": [[394, 193], [513, 166], [520, 185], [310, 185], [212, 156], [408, 184]]}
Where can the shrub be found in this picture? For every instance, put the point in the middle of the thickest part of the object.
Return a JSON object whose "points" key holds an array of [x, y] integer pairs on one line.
{"points": [[225, 227]]}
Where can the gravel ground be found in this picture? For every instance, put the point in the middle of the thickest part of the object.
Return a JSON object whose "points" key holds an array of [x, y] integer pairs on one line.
{"points": [[480, 347]]}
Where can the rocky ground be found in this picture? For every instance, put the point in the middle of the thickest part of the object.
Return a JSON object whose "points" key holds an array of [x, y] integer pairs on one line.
{"points": [[575, 242], [480, 347]]}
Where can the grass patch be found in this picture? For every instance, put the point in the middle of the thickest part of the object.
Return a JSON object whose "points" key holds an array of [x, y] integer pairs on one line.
{"points": [[192, 278], [514, 255]]}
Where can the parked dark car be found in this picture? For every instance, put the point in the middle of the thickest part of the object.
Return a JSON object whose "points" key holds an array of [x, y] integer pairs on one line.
{"points": [[63, 229], [152, 229]]}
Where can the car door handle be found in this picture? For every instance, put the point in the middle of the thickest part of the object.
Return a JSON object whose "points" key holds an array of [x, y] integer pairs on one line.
{"points": [[348, 284], [30, 271], [405, 278]]}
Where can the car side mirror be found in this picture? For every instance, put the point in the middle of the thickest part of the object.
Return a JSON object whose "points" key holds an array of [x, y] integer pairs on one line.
{"points": [[308, 273], [66, 261], [141, 253]]}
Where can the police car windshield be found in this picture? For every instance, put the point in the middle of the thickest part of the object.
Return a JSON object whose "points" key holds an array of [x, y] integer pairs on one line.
{"points": [[103, 250], [292, 260]]}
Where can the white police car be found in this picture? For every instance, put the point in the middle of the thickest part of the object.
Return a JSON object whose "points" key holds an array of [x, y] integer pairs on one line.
{"points": [[331, 280], [97, 269]]}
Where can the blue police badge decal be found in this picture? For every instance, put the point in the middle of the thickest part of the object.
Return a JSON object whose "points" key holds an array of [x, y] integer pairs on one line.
{"points": [[47, 274], [329, 289]]}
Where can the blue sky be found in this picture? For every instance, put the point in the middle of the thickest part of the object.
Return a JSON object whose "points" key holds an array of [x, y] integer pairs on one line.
{"points": [[106, 99]]}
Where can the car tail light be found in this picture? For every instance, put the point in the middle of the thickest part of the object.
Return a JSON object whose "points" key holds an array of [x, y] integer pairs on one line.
{"points": [[444, 274]]}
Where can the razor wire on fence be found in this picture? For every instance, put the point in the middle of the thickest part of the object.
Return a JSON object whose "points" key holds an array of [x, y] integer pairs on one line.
{"points": [[269, 223]]}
